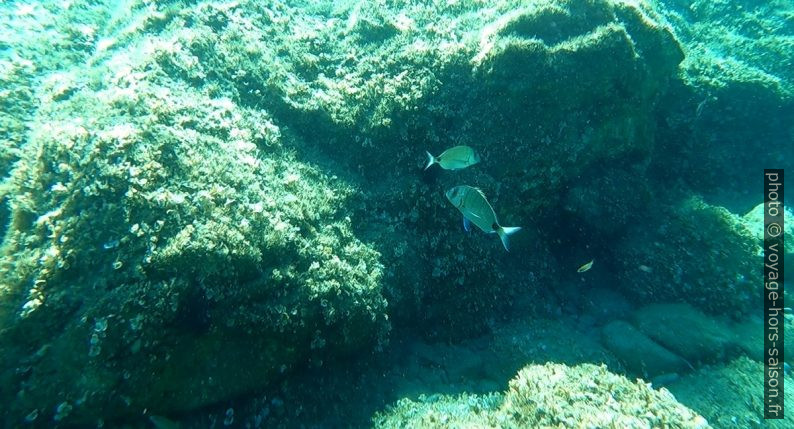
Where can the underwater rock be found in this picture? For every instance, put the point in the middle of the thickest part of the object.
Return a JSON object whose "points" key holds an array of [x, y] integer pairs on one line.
{"points": [[735, 45], [165, 252], [187, 187], [535, 340], [608, 204], [31, 73], [730, 115], [550, 395], [523, 84], [690, 252], [358, 90], [749, 337], [754, 221], [687, 332], [731, 394], [604, 305], [640, 354]]}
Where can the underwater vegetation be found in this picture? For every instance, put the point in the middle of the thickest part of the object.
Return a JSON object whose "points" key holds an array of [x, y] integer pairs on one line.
{"points": [[592, 397], [220, 213]]}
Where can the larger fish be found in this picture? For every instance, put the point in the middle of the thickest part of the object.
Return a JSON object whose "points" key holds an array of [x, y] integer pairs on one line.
{"points": [[477, 210], [454, 158]]}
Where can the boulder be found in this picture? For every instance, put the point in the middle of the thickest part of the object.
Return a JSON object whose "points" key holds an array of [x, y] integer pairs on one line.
{"points": [[638, 353]]}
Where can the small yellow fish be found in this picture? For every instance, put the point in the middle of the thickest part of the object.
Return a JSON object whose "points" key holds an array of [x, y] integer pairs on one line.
{"points": [[454, 158], [477, 210], [585, 267]]}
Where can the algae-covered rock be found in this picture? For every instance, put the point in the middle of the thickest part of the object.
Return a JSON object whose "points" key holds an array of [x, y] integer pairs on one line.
{"points": [[609, 203], [550, 395], [366, 90], [692, 252], [522, 84], [732, 44], [201, 184], [730, 116], [640, 354], [731, 395], [754, 222], [164, 251]]}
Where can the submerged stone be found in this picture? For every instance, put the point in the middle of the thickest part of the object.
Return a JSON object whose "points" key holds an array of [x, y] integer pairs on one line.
{"points": [[640, 354], [687, 332]]}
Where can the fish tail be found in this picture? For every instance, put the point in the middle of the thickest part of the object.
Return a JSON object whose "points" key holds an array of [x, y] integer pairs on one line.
{"points": [[430, 160], [505, 232]]}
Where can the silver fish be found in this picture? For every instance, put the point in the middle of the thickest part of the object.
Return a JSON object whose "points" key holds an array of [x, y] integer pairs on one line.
{"points": [[586, 267], [477, 210], [454, 158]]}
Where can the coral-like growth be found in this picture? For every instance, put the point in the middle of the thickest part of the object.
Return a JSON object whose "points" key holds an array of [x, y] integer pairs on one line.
{"points": [[550, 395]]}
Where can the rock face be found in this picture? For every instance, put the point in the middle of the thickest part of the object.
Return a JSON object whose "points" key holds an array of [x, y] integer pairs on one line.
{"points": [[164, 251], [754, 222], [550, 395], [695, 253], [522, 83], [733, 397], [188, 187], [166, 256], [687, 332], [639, 353], [731, 114]]}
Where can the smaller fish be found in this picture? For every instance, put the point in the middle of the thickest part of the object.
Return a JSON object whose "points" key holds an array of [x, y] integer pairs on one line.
{"points": [[455, 158], [700, 107], [645, 268], [586, 267]]}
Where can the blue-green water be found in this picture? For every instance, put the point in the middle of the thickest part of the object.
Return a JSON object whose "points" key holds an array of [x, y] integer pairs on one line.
{"points": [[217, 213]]}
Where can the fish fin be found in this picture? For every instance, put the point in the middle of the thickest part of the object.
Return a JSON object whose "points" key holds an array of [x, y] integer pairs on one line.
{"points": [[430, 160], [506, 231], [466, 224]]}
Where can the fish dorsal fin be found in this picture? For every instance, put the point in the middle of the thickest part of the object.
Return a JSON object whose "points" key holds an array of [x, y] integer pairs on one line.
{"points": [[482, 194], [488, 203]]}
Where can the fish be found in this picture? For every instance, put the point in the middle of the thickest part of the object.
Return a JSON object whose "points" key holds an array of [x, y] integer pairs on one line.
{"points": [[478, 211], [454, 158], [586, 267]]}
